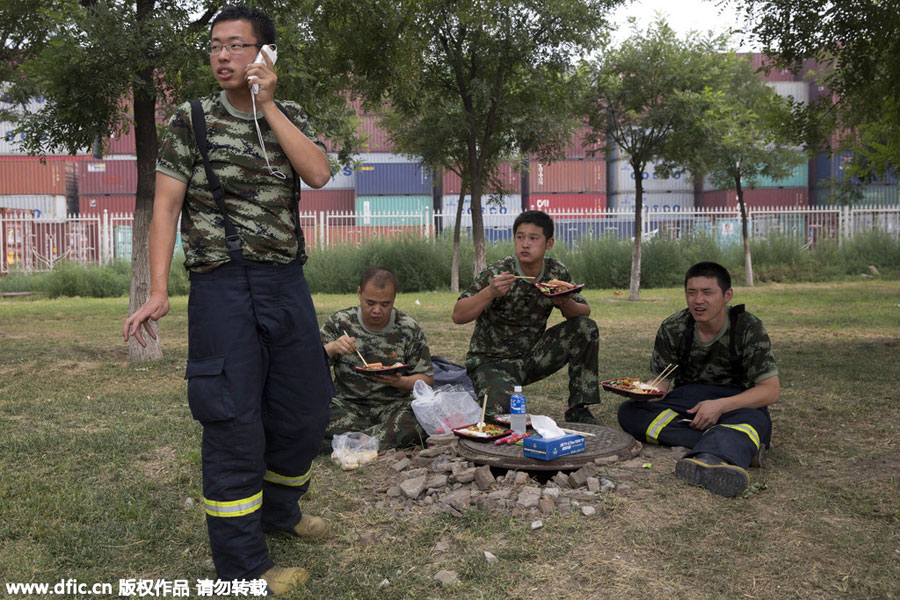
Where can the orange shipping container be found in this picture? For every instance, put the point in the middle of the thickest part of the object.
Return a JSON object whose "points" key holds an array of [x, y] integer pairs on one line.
{"points": [[568, 176], [29, 177], [509, 177]]}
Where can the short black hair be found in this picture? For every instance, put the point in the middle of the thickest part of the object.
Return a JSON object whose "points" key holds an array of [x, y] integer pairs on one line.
{"points": [[535, 217], [710, 269], [263, 28], [380, 278]]}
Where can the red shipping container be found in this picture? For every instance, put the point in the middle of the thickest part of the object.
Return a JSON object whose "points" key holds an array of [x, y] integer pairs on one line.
{"points": [[95, 205], [377, 139], [568, 203], [760, 61], [330, 201], [578, 148], [120, 144], [759, 198], [27, 176], [568, 176], [98, 177], [510, 178]]}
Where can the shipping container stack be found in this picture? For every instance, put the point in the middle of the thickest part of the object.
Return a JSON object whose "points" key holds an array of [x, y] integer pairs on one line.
{"points": [[499, 207], [829, 169], [789, 191]]}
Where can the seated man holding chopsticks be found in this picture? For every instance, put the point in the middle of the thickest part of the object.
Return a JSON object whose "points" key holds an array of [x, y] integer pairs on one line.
{"points": [[720, 358], [511, 344], [376, 332]]}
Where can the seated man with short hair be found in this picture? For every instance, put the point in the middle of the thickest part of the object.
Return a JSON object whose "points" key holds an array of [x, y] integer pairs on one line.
{"points": [[511, 344], [378, 405], [725, 379]]}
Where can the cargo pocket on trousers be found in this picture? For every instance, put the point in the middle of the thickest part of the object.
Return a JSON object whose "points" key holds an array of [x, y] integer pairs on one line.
{"points": [[208, 394]]}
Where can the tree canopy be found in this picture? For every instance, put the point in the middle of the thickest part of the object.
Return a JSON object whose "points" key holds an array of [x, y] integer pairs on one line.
{"points": [[648, 97], [474, 80], [856, 44]]}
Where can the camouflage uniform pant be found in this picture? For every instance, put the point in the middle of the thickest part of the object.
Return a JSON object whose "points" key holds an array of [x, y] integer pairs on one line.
{"points": [[575, 342], [393, 423]]}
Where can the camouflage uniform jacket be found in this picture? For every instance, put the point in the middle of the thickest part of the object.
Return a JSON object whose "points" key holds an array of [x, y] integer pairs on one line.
{"points": [[401, 340], [510, 326], [709, 362], [259, 204]]}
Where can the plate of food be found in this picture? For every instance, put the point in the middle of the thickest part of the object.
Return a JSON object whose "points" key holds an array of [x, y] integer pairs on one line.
{"points": [[557, 287], [485, 432], [632, 388], [505, 419], [376, 368]]}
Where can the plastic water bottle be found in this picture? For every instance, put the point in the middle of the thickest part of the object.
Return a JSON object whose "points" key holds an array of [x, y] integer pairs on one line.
{"points": [[518, 416]]}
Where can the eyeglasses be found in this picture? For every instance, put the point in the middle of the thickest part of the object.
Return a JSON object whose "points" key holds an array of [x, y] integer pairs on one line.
{"points": [[233, 49]]}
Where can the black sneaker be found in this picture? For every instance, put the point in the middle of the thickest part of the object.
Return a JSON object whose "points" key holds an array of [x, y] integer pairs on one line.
{"points": [[581, 414], [713, 473]]}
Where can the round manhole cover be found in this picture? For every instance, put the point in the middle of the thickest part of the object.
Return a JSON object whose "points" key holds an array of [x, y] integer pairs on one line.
{"points": [[604, 442]]}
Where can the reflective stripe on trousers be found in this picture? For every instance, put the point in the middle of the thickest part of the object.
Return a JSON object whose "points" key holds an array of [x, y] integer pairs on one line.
{"points": [[663, 419], [233, 508], [273, 477], [749, 430]]}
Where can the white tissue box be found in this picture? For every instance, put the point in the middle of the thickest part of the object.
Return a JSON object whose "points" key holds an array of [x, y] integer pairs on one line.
{"points": [[548, 449]]}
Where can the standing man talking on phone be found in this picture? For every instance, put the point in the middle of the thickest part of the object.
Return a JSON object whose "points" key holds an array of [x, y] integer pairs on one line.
{"points": [[258, 378]]}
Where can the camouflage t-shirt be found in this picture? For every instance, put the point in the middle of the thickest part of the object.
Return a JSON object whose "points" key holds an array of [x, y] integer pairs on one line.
{"points": [[401, 340], [709, 362], [259, 204], [510, 325]]}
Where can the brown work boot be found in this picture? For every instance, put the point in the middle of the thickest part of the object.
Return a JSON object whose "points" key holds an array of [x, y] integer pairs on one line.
{"points": [[309, 528], [281, 580], [713, 473]]}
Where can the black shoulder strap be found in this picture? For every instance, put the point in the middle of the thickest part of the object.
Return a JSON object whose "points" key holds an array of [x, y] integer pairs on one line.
{"points": [[737, 367], [198, 120], [687, 343]]}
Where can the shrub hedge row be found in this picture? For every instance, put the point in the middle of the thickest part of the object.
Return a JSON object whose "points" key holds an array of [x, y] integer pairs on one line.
{"points": [[605, 263]]}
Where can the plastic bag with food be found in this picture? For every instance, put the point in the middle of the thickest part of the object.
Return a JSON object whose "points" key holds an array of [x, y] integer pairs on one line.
{"points": [[441, 410], [353, 449]]}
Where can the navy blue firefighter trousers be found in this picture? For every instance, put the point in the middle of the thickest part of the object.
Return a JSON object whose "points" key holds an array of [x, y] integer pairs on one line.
{"points": [[258, 382]]}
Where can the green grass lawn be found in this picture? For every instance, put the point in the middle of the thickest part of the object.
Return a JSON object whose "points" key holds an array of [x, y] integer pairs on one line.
{"points": [[98, 456]]}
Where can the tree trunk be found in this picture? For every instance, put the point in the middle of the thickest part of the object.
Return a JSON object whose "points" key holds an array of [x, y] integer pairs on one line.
{"points": [[478, 246], [745, 233], [454, 267], [634, 293], [145, 149]]}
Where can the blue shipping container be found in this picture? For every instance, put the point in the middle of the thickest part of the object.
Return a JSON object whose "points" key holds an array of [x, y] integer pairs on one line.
{"points": [[384, 179]]}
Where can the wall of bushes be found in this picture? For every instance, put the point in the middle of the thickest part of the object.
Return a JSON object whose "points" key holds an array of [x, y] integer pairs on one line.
{"points": [[600, 264]]}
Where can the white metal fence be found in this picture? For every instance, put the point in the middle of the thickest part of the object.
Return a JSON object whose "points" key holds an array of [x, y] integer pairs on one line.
{"points": [[31, 244]]}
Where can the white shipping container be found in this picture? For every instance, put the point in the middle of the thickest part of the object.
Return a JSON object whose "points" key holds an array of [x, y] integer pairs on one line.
{"points": [[42, 207], [9, 142], [344, 179], [653, 201], [621, 179], [495, 215], [384, 157], [798, 90]]}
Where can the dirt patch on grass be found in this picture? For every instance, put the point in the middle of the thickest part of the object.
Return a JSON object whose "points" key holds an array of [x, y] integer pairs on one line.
{"points": [[159, 465]]}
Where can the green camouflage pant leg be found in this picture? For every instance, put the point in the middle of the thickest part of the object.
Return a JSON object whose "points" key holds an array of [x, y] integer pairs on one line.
{"points": [[575, 342], [397, 426], [497, 379], [392, 423]]}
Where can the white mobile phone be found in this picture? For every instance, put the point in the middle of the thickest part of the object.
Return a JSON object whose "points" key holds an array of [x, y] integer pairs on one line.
{"points": [[272, 52]]}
